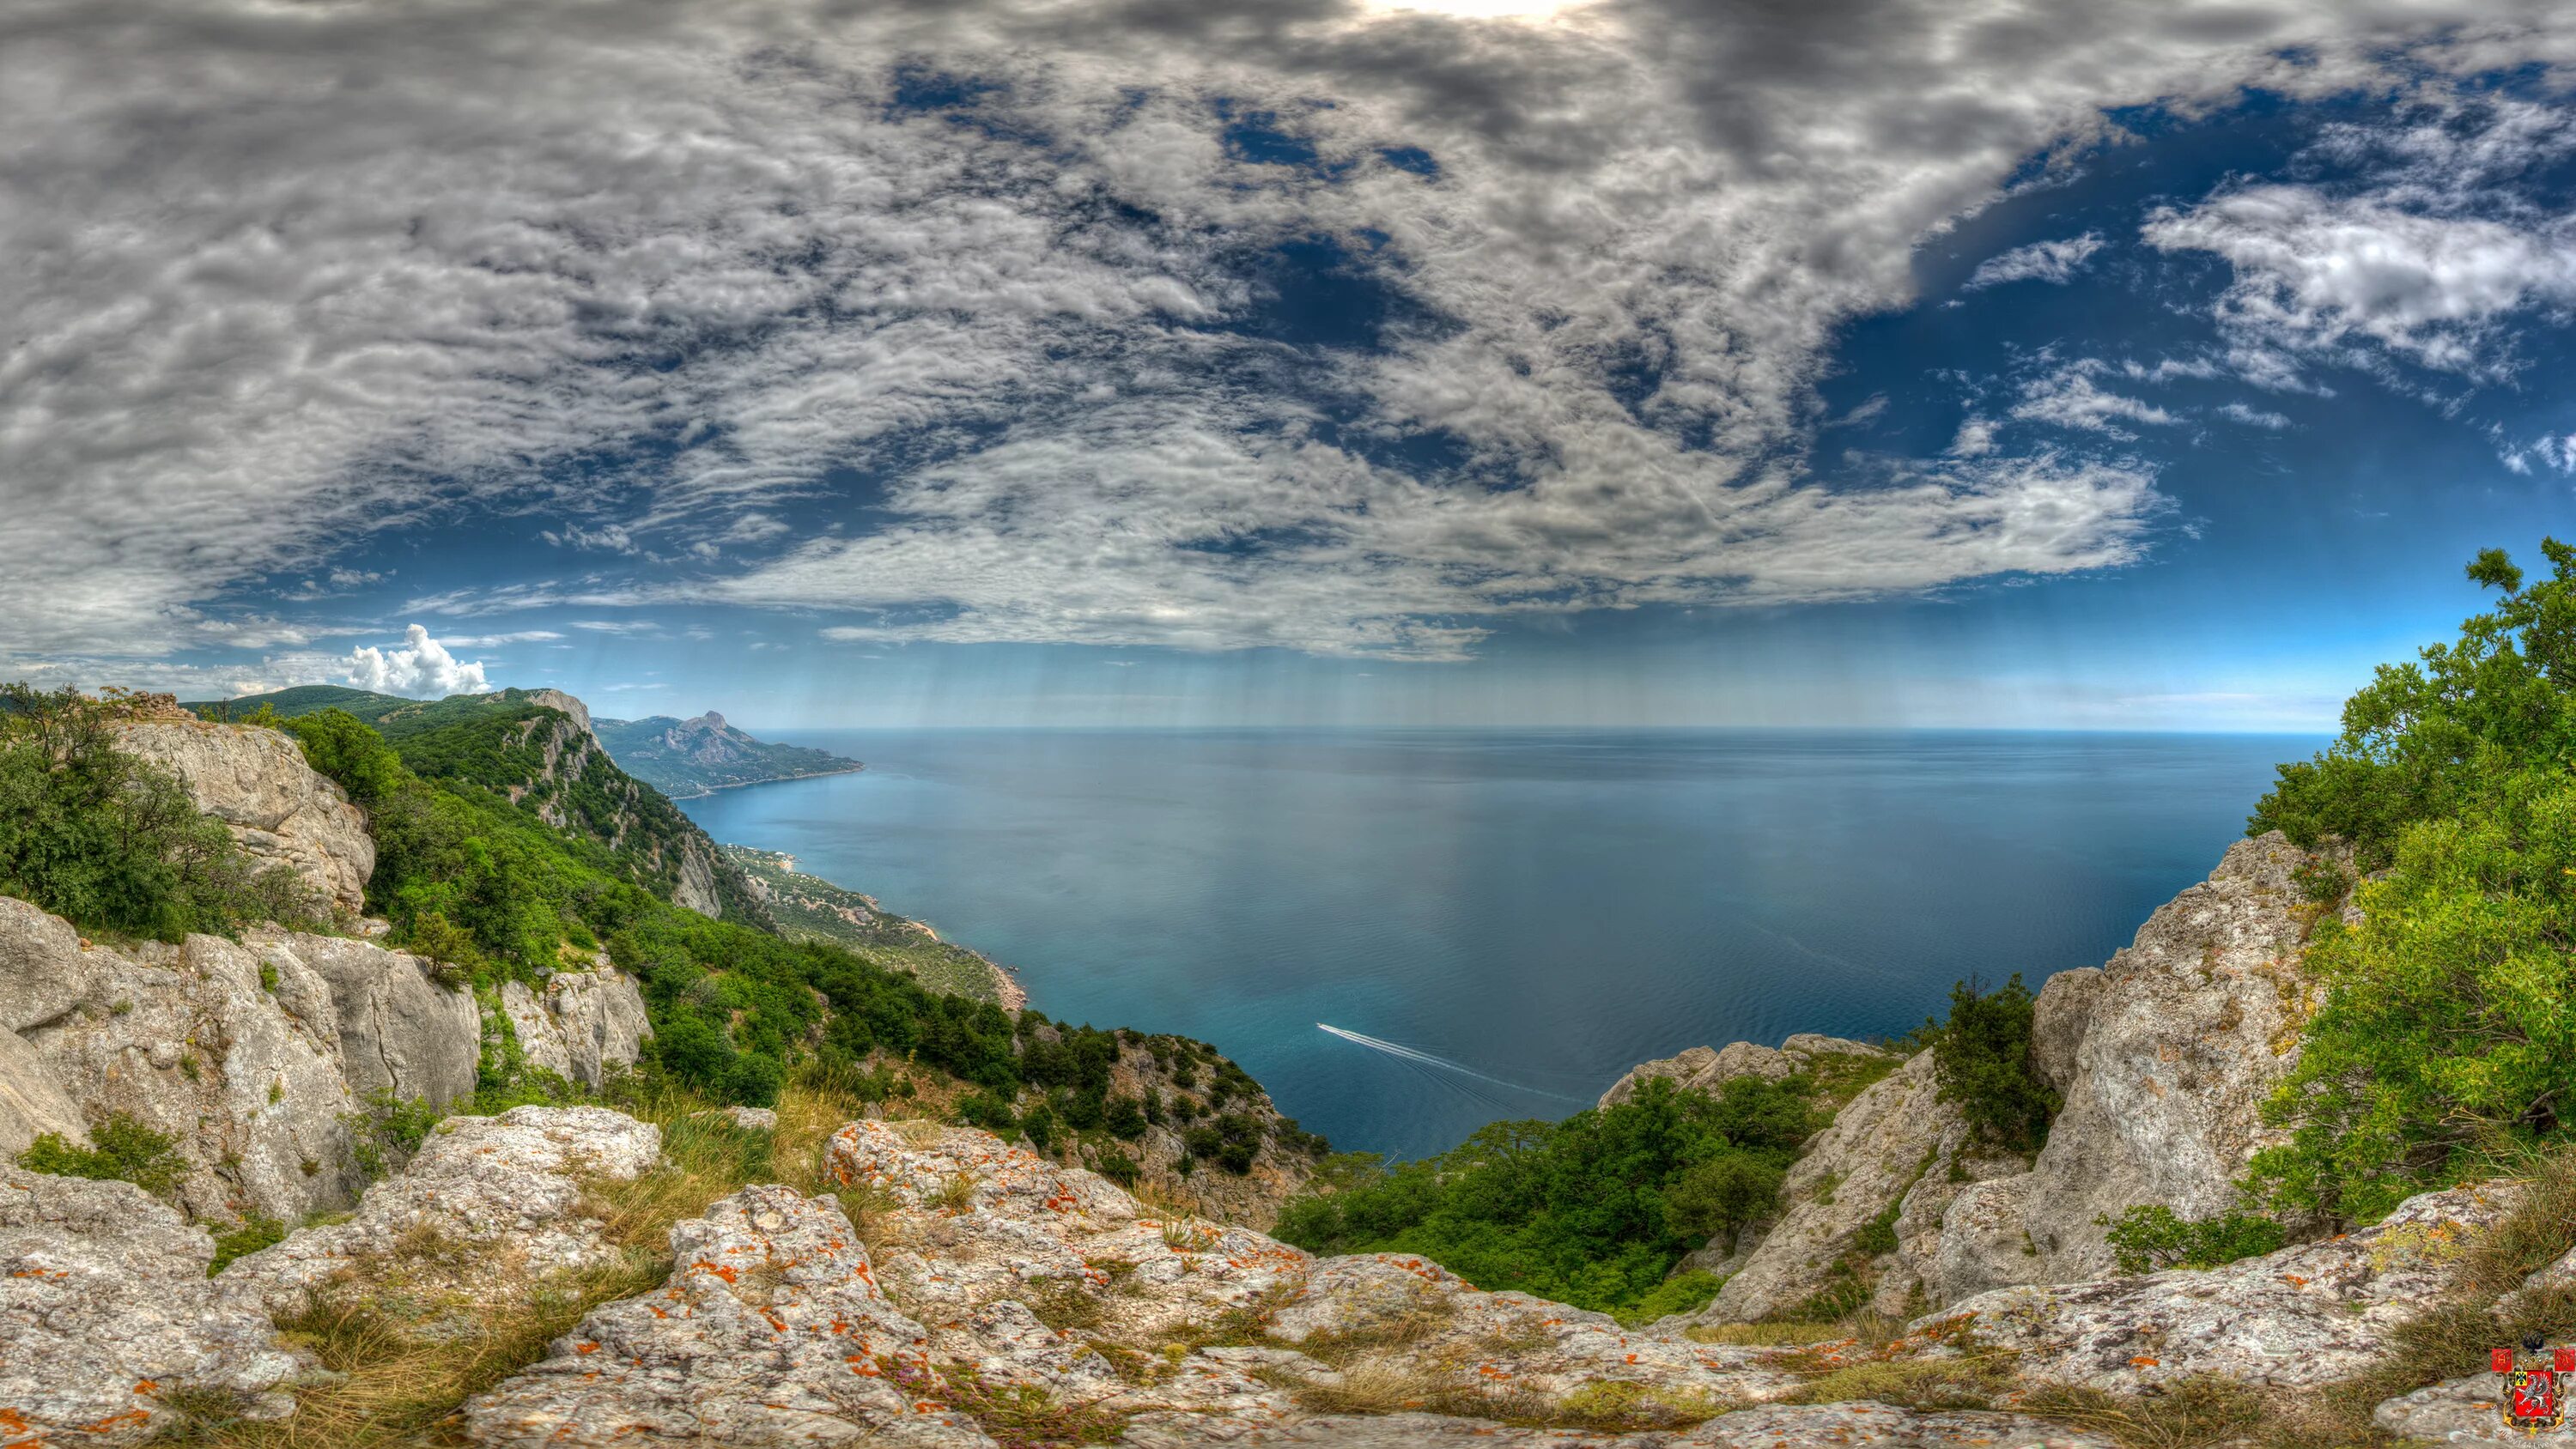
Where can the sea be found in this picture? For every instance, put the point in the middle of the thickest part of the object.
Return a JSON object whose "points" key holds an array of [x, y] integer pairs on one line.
{"points": [[1407, 934]]}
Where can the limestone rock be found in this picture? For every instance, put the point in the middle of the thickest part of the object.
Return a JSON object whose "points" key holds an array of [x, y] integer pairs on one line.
{"points": [[1856, 1425], [277, 806], [2458, 1411], [2057, 1021], [32, 1103], [963, 1226], [586, 1026], [105, 1313], [2187, 1030], [1701, 1069], [696, 887], [236, 1059], [1895, 1135], [513, 1180], [2303, 1316], [43, 973], [400, 1033], [771, 1330]]}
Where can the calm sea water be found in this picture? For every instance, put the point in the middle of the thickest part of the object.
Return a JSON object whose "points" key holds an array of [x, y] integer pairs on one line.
{"points": [[1538, 909]]}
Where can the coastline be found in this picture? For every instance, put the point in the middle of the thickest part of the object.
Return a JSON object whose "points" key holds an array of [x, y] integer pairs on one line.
{"points": [[772, 780]]}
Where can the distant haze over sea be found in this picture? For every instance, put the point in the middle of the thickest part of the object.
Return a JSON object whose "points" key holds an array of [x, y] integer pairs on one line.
{"points": [[1543, 908]]}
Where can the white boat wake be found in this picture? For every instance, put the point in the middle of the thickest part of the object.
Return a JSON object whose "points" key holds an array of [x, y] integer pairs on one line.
{"points": [[1417, 1058]]}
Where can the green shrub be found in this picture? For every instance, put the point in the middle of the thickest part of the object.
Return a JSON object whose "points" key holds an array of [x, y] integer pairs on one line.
{"points": [[988, 1112], [385, 1133], [1594, 1210], [120, 1148], [1981, 1057], [1719, 1197], [1682, 1293], [2150, 1237], [1119, 1168], [2447, 1030], [255, 1233]]}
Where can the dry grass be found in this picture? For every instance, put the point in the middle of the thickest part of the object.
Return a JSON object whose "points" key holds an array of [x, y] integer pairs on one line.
{"points": [[1969, 1381], [1768, 1335], [2188, 1413]]}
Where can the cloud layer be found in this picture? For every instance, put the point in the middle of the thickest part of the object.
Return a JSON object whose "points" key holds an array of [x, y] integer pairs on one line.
{"points": [[982, 321]]}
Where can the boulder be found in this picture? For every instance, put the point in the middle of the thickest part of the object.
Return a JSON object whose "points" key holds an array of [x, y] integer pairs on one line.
{"points": [[1703, 1069], [32, 1103], [400, 1033], [770, 1331], [1857, 1425], [43, 970], [1891, 1138], [2457, 1411], [106, 1317], [2297, 1318], [2057, 1021], [277, 806], [2175, 1046], [584, 1027], [515, 1181], [236, 1059]]}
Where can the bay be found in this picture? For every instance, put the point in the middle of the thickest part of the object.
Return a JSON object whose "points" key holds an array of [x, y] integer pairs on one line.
{"points": [[1536, 909]]}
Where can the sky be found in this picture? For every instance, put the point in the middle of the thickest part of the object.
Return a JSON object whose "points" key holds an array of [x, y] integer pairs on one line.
{"points": [[2131, 365]]}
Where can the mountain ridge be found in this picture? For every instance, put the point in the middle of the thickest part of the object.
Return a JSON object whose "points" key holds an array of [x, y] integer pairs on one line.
{"points": [[689, 758]]}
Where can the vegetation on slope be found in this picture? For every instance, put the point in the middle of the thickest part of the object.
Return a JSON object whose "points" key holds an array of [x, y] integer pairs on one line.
{"points": [[810, 908], [1593, 1211], [2448, 1029]]}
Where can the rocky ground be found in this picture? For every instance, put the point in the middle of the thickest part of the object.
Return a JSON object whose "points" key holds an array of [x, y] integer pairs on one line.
{"points": [[951, 1290]]}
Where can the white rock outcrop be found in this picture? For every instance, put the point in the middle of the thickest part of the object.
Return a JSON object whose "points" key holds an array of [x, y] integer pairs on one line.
{"points": [[235, 1059], [771, 1330], [515, 1180], [2303, 1316], [400, 1033], [1895, 1140], [1705, 1069], [2166, 1056], [106, 1316], [277, 806], [583, 1026]]}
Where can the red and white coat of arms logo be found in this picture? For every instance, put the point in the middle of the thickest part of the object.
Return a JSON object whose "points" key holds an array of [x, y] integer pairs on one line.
{"points": [[2535, 1389]]}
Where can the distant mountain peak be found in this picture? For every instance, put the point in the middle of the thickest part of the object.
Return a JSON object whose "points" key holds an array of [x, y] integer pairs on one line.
{"points": [[687, 757]]}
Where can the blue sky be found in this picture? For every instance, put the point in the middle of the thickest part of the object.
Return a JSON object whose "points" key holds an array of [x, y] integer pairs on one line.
{"points": [[1640, 362]]}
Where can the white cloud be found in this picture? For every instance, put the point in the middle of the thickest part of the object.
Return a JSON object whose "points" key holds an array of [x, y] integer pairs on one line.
{"points": [[421, 667], [2426, 262], [270, 290], [2253, 417], [2069, 398], [488, 641], [2047, 261]]}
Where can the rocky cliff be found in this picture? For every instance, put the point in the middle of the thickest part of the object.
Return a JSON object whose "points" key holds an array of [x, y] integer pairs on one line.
{"points": [[2163, 1057], [260, 1059], [256, 782]]}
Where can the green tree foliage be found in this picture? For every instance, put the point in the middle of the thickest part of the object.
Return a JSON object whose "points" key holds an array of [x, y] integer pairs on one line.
{"points": [[2448, 1026], [1981, 1056], [121, 1149], [114, 842], [1593, 1211], [2150, 1237]]}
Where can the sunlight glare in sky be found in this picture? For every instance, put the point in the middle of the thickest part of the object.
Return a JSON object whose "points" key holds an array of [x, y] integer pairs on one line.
{"points": [[1479, 9]]}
